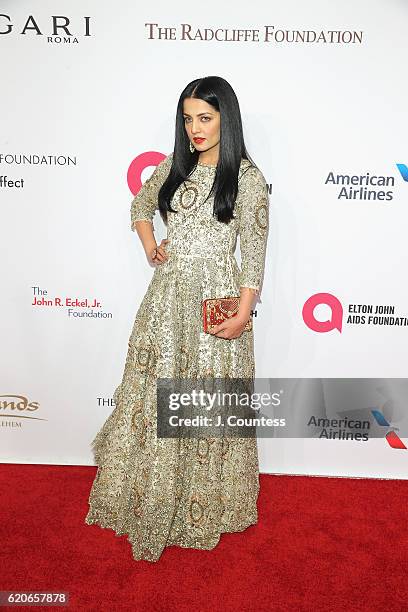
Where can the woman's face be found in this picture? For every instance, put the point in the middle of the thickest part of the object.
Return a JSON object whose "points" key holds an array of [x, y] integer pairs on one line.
{"points": [[201, 121]]}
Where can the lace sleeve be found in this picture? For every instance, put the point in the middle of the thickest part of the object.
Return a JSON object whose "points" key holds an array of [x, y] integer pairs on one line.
{"points": [[145, 202], [253, 220]]}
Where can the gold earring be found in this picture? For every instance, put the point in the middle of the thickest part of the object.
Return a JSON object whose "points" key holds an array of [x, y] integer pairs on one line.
{"points": [[192, 147]]}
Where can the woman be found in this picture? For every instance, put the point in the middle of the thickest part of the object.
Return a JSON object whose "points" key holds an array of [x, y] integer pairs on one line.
{"points": [[186, 492]]}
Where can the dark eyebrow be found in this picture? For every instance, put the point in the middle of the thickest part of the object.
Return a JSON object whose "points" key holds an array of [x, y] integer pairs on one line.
{"points": [[199, 114]]}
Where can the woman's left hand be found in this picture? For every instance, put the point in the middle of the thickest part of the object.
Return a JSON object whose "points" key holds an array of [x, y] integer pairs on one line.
{"points": [[229, 329]]}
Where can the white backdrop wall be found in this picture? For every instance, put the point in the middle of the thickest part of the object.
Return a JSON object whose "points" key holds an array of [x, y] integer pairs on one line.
{"points": [[79, 105]]}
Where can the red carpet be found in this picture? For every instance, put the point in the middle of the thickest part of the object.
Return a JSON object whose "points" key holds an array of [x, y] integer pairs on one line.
{"points": [[321, 544]]}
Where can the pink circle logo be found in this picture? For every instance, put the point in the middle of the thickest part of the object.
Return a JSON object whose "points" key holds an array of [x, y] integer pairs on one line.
{"points": [[335, 322], [142, 161]]}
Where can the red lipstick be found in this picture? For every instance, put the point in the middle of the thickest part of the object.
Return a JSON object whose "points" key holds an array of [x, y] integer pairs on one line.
{"points": [[198, 140]]}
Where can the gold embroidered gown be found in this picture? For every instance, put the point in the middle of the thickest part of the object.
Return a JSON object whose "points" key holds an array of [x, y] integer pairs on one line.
{"points": [[184, 492]]}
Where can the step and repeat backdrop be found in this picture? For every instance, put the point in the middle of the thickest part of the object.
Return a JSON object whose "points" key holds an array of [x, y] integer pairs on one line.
{"points": [[89, 90]]}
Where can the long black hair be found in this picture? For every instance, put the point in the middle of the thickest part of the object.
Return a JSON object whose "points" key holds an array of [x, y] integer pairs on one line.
{"points": [[217, 92]]}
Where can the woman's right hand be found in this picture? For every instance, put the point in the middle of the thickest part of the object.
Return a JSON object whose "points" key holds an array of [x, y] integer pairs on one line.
{"points": [[158, 255]]}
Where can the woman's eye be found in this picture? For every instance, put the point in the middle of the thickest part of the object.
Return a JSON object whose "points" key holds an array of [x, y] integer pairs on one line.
{"points": [[206, 118]]}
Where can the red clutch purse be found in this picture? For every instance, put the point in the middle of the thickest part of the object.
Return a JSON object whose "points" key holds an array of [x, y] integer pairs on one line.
{"points": [[216, 310]]}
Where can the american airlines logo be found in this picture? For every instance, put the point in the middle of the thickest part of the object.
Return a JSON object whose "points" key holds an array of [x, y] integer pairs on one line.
{"points": [[404, 171], [392, 438], [367, 186]]}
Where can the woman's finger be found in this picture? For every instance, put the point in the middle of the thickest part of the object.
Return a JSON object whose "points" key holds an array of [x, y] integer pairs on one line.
{"points": [[222, 330], [163, 247], [161, 253], [217, 328]]}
